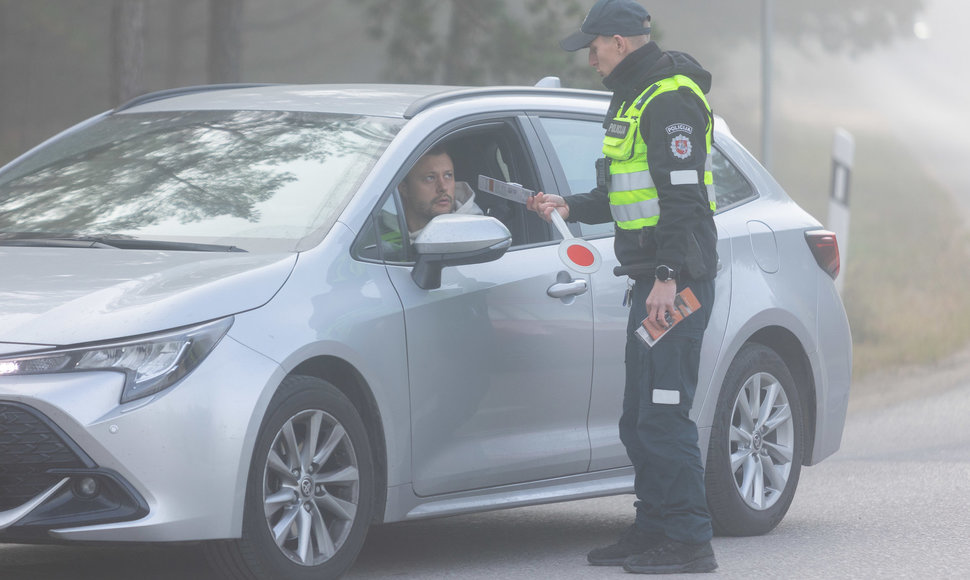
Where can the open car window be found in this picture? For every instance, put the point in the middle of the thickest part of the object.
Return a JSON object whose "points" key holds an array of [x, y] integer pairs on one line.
{"points": [[496, 150]]}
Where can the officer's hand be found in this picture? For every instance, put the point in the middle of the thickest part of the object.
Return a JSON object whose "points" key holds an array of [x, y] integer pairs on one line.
{"points": [[660, 302], [545, 203]]}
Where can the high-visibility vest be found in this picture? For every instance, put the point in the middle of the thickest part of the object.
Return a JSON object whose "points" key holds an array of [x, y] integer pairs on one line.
{"points": [[633, 194]]}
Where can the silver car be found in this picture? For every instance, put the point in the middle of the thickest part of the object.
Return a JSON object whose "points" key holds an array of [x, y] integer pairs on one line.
{"points": [[213, 329]]}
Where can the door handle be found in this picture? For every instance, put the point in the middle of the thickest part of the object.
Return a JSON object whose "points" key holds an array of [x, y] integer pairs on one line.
{"points": [[570, 288]]}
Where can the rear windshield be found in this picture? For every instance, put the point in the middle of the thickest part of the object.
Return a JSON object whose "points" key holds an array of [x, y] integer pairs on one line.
{"points": [[253, 179]]}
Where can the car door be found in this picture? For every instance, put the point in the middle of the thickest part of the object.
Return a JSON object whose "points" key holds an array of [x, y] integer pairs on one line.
{"points": [[499, 370], [574, 143]]}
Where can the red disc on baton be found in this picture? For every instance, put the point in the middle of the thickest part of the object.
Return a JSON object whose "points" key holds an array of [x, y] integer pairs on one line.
{"points": [[579, 255]]}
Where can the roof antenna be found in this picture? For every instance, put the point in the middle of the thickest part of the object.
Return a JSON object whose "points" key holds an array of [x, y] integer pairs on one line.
{"points": [[549, 83]]}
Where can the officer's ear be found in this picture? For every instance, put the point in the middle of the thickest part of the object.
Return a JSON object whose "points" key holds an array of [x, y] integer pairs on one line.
{"points": [[623, 45]]}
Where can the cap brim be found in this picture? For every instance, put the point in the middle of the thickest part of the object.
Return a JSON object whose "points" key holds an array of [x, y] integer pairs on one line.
{"points": [[577, 41]]}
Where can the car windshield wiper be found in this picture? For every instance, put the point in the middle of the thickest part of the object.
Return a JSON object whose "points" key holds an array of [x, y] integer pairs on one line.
{"points": [[34, 240]]}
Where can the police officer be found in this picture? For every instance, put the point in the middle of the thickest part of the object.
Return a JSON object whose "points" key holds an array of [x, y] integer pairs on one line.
{"points": [[655, 183]]}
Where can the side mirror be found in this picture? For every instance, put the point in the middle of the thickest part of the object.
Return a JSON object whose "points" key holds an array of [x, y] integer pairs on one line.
{"points": [[454, 240]]}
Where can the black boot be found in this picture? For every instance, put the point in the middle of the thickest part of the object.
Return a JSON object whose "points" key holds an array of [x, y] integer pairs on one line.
{"points": [[632, 542], [672, 557]]}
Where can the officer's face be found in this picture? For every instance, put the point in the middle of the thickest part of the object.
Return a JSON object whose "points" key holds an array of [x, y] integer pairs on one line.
{"points": [[428, 190], [605, 53]]}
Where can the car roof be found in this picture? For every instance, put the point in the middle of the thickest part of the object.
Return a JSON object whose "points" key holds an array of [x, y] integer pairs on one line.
{"points": [[384, 100], [379, 100], [376, 100]]}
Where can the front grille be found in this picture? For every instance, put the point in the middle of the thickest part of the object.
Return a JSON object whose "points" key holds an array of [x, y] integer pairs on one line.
{"points": [[30, 445]]}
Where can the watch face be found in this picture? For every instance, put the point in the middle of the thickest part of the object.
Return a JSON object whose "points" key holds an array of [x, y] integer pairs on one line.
{"points": [[664, 273]]}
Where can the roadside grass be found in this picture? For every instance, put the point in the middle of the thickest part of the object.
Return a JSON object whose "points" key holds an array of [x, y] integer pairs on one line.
{"points": [[907, 267]]}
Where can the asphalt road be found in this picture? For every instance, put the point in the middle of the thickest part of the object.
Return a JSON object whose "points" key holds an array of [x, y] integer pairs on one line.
{"points": [[892, 503]]}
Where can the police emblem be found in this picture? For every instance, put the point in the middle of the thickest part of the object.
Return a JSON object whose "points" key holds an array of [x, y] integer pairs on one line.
{"points": [[680, 146]]}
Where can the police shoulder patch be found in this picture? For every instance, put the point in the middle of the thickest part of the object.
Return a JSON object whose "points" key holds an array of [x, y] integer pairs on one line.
{"points": [[681, 146]]}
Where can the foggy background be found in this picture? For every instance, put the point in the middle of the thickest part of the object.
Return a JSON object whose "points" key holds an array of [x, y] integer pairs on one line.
{"points": [[64, 60], [891, 72]]}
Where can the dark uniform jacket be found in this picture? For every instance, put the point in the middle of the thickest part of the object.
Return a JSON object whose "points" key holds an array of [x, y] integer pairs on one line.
{"points": [[685, 237]]}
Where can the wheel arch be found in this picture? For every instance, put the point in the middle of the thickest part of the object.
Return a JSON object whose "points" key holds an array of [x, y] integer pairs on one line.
{"points": [[352, 384], [791, 351]]}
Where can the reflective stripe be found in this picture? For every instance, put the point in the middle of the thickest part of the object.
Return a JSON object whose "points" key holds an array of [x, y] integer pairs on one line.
{"points": [[631, 181], [634, 211], [684, 177], [665, 397], [643, 179]]}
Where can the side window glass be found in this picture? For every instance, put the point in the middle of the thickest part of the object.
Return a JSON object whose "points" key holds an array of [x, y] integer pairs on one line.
{"points": [[730, 184], [388, 223], [381, 238], [578, 144]]}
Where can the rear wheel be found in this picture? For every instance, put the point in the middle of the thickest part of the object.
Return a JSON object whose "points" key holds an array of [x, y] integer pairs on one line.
{"points": [[310, 495], [757, 444]]}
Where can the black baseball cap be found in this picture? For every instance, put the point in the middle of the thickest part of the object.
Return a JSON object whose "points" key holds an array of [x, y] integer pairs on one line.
{"points": [[609, 18]]}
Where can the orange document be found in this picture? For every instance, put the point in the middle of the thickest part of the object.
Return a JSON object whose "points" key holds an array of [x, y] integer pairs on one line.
{"points": [[685, 304]]}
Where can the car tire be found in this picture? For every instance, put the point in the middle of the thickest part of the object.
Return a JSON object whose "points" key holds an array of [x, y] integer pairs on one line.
{"points": [[303, 519], [757, 444]]}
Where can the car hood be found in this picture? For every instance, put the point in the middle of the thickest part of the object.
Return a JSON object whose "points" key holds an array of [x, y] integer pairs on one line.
{"points": [[58, 296]]}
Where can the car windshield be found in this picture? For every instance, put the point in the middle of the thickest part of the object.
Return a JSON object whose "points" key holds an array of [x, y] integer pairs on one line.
{"points": [[264, 180]]}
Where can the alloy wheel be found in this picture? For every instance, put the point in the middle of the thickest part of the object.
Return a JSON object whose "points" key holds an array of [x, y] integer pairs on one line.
{"points": [[311, 487], [762, 441]]}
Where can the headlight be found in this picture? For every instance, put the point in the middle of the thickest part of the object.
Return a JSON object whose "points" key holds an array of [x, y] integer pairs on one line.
{"points": [[150, 364]]}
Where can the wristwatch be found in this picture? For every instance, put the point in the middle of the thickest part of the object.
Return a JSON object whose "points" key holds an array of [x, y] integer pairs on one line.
{"points": [[665, 273]]}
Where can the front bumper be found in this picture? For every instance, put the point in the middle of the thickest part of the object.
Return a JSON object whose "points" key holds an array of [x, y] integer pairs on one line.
{"points": [[47, 481], [78, 466]]}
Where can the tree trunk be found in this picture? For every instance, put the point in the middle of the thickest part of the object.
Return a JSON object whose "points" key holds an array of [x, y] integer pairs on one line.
{"points": [[225, 41], [176, 43], [128, 50], [464, 20]]}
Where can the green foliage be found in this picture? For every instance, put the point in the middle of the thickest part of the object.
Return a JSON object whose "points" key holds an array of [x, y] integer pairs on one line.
{"points": [[472, 42], [505, 42]]}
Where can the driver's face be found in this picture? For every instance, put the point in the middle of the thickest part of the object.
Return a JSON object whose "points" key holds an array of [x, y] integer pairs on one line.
{"points": [[429, 189]]}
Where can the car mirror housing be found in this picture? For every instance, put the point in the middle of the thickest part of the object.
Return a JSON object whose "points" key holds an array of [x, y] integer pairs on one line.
{"points": [[454, 240]]}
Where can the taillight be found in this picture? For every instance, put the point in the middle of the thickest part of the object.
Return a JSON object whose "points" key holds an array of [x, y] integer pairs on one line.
{"points": [[825, 248]]}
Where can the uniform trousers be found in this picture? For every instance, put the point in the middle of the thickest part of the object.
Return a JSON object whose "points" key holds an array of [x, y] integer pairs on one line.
{"points": [[656, 429]]}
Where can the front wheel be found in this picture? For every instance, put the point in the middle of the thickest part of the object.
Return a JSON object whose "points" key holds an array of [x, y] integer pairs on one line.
{"points": [[310, 493], [757, 444]]}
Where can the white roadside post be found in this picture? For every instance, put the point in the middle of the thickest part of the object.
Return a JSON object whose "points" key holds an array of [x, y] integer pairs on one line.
{"points": [[843, 155]]}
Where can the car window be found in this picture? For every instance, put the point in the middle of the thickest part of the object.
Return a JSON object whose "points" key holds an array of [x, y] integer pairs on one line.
{"points": [[730, 185], [578, 144], [382, 238], [247, 178], [496, 149]]}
